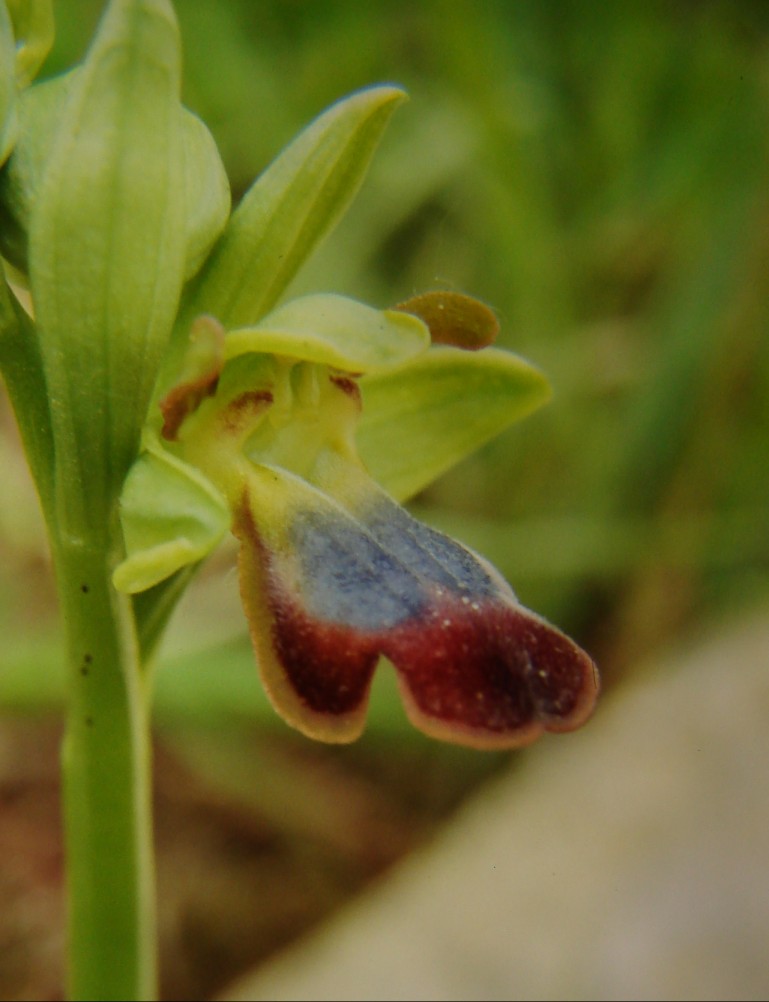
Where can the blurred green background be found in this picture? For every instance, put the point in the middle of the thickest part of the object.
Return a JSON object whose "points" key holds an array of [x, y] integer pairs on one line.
{"points": [[599, 174]]}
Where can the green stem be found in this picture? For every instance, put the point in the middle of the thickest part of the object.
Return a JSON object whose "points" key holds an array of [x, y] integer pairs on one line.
{"points": [[107, 786]]}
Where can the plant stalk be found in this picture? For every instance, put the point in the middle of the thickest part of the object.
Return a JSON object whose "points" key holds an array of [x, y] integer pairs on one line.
{"points": [[106, 786]]}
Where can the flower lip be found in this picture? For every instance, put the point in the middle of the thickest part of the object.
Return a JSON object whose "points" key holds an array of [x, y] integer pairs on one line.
{"points": [[335, 587]]}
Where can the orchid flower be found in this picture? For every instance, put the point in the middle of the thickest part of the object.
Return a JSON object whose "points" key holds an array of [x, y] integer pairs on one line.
{"points": [[166, 391], [299, 426], [266, 433]]}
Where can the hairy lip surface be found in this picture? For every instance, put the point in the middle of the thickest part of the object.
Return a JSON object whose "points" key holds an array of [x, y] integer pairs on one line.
{"points": [[473, 666]]}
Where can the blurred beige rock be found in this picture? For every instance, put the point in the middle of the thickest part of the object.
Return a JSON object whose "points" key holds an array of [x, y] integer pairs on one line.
{"points": [[628, 861]]}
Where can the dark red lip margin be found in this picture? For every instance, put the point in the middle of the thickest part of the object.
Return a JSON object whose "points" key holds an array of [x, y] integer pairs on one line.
{"points": [[487, 674]]}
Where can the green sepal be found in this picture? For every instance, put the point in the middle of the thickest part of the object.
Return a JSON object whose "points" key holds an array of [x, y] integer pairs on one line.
{"points": [[7, 84], [335, 331], [172, 516], [33, 27], [445, 405], [290, 208], [107, 250]]}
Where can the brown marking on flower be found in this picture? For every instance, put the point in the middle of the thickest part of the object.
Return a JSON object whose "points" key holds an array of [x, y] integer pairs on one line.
{"points": [[490, 675], [349, 386], [329, 665], [489, 678], [486, 673], [183, 400], [333, 594], [199, 378], [244, 408], [454, 318], [317, 675]]}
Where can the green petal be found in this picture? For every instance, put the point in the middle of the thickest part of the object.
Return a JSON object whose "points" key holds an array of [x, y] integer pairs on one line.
{"points": [[290, 208], [335, 331], [445, 405], [107, 248], [171, 516]]}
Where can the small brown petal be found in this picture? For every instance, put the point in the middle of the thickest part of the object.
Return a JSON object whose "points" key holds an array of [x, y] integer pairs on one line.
{"points": [[454, 318]]}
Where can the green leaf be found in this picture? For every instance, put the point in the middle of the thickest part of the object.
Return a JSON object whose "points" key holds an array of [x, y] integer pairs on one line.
{"points": [[7, 84], [290, 208], [107, 249], [335, 331], [39, 108], [34, 30], [442, 406], [171, 516]]}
